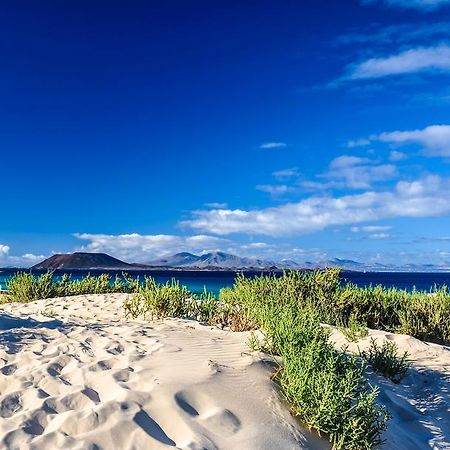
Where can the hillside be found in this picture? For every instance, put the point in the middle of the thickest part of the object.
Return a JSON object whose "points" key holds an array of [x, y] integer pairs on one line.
{"points": [[82, 260]]}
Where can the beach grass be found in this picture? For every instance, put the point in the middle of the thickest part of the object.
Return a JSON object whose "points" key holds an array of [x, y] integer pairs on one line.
{"points": [[353, 330]]}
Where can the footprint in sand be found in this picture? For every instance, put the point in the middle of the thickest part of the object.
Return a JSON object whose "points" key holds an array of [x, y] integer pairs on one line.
{"points": [[100, 366], [116, 348], [122, 375], [36, 424], [9, 369], [75, 401], [10, 405], [54, 369], [219, 420]]}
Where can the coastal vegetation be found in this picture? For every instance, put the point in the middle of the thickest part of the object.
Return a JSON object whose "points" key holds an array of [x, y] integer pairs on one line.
{"points": [[25, 287], [326, 388]]}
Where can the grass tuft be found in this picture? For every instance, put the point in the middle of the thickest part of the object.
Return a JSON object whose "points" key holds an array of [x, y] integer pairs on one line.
{"points": [[384, 360], [354, 330]]}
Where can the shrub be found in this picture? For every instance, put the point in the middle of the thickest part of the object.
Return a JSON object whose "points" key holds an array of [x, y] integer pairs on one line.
{"points": [[254, 343], [163, 300], [385, 361], [427, 316], [24, 287], [170, 300], [376, 307], [353, 330]]}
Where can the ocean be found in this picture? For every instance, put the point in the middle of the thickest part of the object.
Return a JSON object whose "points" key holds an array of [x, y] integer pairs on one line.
{"points": [[197, 281]]}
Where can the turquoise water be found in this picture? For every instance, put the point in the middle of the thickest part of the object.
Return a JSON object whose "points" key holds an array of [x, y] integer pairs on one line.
{"points": [[197, 281]]}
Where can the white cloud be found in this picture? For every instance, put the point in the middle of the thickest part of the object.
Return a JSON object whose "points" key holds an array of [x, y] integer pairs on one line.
{"points": [[286, 173], [26, 260], [273, 145], [414, 60], [434, 139], [359, 173], [274, 189], [371, 228], [143, 248], [256, 245], [216, 205], [425, 197], [395, 155], [309, 185], [380, 236], [4, 250], [424, 5], [358, 143], [344, 161]]}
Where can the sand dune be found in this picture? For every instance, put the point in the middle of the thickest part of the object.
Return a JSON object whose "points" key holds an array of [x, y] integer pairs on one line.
{"points": [[420, 404], [74, 374], [88, 379]]}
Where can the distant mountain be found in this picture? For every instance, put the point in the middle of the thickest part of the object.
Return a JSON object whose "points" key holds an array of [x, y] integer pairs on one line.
{"points": [[80, 260], [220, 261], [213, 260], [177, 260]]}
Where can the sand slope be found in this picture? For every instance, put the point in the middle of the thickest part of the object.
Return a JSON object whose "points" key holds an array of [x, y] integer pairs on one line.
{"points": [[420, 404], [86, 378]]}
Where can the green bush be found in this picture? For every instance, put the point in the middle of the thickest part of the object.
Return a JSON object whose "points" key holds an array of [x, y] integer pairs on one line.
{"points": [[353, 330], [385, 360], [427, 316], [162, 300], [170, 300], [25, 287], [377, 307]]}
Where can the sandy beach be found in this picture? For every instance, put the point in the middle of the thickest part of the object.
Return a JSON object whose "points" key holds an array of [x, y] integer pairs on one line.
{"points": [[86, 378], [75, 374]]}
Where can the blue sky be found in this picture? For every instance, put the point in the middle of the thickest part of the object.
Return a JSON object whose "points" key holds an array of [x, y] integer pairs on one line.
{"points": [[303, 130]]}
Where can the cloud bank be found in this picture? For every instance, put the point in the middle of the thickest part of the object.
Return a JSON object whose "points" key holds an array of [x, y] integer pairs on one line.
{"points": [[359, 173], [421, 59], [26, 260], [425, 197], [434, 139]]}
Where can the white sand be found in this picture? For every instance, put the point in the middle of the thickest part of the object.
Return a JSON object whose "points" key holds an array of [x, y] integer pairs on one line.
{"points": [[86, 378], [420, 404], [89, 379]]}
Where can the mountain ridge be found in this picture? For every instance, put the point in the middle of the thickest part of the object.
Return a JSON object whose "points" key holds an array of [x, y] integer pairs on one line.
{"points": [[217, 261], [211, 259]]}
